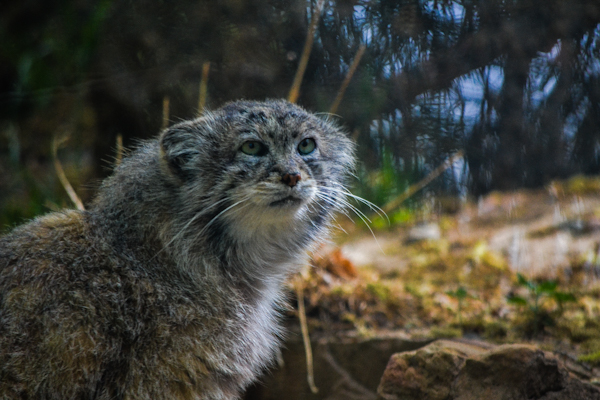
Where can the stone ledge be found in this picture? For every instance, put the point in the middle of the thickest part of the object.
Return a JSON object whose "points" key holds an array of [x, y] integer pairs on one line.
{"points": [[450, 370]]}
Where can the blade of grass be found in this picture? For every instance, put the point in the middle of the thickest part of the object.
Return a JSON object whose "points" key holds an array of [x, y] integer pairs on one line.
{"points": [[346, 82], [310, 37], [119, 150], [60, 172], [393, 204], [310, 376], [203, 87], [165, 112]]}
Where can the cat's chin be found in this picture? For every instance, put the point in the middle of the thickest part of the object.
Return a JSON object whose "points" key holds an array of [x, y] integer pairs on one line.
{"points": [[287, 202], [278, 198]]}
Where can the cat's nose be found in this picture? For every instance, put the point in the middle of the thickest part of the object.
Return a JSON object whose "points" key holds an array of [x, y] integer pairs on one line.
{"points": [[291, 179]]}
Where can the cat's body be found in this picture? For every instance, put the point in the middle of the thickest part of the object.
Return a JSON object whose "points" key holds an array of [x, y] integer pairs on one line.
{"points": [[169, 286]]}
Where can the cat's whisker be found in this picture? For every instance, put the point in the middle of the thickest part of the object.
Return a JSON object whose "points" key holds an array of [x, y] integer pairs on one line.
{"points": [[353, 208], [327, 114], [338, 226], [343, 189], [332, 203], [189, 223], [366, 202], [178, 235], [353, 175], [246, 198], [330, 215], [198, 235], [324, 197], [356, 211]]}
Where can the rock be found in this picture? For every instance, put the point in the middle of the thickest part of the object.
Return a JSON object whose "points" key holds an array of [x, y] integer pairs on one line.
{"points": [[427, 373], [447, 370], [424, 231]]}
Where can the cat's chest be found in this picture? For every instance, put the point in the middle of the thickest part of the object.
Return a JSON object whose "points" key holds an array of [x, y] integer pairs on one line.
{"points": [[220, 334]]}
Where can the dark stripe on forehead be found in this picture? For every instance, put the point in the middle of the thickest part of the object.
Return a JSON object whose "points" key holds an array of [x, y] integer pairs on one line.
{"points": [[285, 115], [257, 116], [284, 140]]}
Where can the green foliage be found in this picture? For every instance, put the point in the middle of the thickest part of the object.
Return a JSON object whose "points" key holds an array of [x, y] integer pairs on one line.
{"points": [[382, 185], [446, 332], [379, 290], [593, 358], [402, 216], [547, 289], [57, 51], [461, 295], [30, 200], [539, 290]]}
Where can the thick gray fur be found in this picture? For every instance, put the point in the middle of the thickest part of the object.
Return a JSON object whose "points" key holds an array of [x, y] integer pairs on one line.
{"points": [[169, 286]]}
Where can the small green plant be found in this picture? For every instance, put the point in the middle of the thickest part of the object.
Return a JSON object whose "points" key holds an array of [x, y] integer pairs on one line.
{"points": [[461, 295], [383, 185], [537, 293]]}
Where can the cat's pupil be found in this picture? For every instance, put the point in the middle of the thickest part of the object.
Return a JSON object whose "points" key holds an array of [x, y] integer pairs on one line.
{"points": [[306, 146], [254, 148]]}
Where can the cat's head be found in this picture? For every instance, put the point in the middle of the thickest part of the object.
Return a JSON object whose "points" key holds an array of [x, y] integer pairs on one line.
{"points": [[258, 164]]}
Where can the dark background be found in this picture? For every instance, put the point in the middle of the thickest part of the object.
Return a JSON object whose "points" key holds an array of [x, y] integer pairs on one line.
{"points": [[513, 84]]}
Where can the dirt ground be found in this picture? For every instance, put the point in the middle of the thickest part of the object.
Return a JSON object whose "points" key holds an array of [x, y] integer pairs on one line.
{"points": [[510, 267]]}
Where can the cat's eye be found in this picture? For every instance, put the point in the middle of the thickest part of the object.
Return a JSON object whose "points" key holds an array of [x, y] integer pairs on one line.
{"points": [[307, 146], [253, 148]]}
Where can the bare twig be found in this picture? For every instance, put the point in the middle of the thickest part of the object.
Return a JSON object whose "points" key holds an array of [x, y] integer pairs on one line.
{"points": [[306, 338], [356, 387], [279, 358], [165, 112], [310, 37], [61, 174], [346, 82], [391, 205], [119, 150], [203, 87]]}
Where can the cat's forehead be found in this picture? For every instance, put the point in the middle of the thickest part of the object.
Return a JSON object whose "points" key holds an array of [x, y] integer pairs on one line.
{"points": [[269, 119]]}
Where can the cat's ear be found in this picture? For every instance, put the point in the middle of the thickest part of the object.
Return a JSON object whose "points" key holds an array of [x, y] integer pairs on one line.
{"points": [[180, 147]]}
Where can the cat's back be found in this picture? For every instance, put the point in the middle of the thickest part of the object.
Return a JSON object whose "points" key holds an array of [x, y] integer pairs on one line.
{"points": [[81, 320], [42, 252], [44, 313], [70, 315]]}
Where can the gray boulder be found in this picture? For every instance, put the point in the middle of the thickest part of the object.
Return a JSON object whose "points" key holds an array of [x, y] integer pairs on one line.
{"points": [[447, 370]]}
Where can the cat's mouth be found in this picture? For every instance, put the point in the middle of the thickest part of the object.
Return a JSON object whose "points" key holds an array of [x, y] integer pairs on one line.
{"points": [[286, 201]]}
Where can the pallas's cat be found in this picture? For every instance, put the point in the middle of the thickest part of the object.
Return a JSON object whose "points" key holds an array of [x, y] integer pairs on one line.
{"points": [[168, 286]]}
